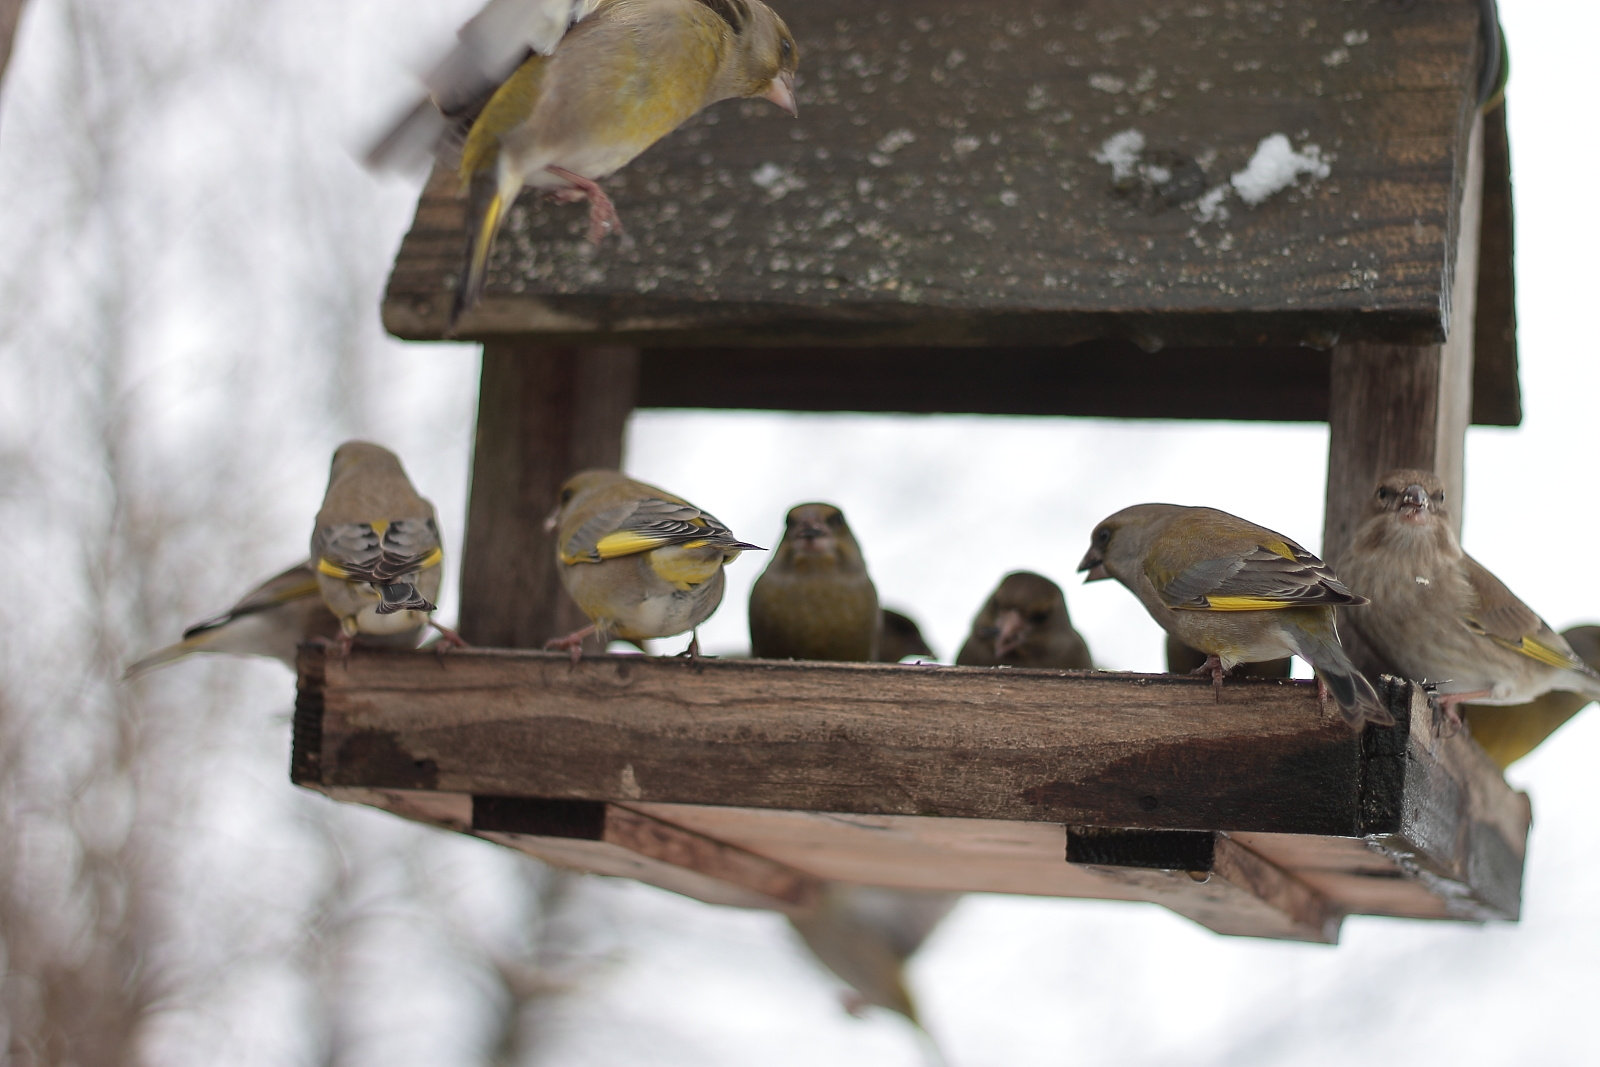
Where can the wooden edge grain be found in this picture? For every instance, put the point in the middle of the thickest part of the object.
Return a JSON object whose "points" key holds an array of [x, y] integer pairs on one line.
{"points": [[789, 889]]}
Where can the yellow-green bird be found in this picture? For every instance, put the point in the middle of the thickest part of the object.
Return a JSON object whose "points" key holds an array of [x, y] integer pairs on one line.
{"points": [[621, 79], [1439, 616], [1236, 591], [1024, 623], [1510, 733], [865, 934], [815, 599], [271, 620], [640, 562], [376, 547]]}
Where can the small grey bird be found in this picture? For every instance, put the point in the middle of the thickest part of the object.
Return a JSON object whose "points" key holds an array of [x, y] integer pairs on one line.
{"points": [[1024, 623], [1438, 615], [815, 600]]}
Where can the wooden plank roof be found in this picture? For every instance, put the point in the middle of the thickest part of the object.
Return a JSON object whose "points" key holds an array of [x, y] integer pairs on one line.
{"points": [[945, 184]]}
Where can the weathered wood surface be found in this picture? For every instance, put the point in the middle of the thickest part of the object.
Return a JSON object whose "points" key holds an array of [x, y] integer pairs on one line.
{"points": [[543, 415], [1496, 394], [947, 778], [1106, 379], [941, 186]]}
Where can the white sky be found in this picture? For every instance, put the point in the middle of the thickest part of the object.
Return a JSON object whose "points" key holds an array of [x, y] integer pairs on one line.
{"points": [[942, 506]]}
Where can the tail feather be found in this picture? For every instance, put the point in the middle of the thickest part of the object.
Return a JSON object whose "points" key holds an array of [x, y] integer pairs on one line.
{"points": [[162, 657], [485, 212], [402, 596], [1358, 701]]}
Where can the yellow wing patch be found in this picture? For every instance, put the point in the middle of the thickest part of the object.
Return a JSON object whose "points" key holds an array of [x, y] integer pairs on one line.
{"points": [[626, 543], [510, 105], [1278, 548], [1542, 652], [1243, 603], [432, 559], [331, 569]]}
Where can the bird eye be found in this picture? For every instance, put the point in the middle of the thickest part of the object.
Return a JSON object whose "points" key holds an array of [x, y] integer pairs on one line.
{"points": [[1384, 492], [1037, 617], [785, 47], [1102, 536], [1439, 496], [567, 494], [836, 519]]}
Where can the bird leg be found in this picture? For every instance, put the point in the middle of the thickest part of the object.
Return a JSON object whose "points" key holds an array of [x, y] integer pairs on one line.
{"points": [[572, 643], [603, 217], [854, 1003], [1445, 704], [693, 651], [1322, 695], [1213, 666], [448, 639]]}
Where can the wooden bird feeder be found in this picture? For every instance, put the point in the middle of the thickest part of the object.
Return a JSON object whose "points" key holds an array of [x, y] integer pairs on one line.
{"points": [[1012, 207]]}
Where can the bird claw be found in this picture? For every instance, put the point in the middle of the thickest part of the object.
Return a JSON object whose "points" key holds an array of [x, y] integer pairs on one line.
{"points": [[1213, 666], [572, 643], [603, 217]]}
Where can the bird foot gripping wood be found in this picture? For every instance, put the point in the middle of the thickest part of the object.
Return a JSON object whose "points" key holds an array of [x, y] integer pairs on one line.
{"points": [[448, 639], [572, 643], [1213, 666], [1447, 721], [603, 217], [692, 653]]}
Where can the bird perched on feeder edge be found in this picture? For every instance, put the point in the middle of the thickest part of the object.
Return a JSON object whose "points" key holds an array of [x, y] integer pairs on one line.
{"points": [[1181, 659], [1024, 623], [376, 548], [272, 620], [1509, 733], [620, 80], [1439, 616], [1236, 591], [815, 599], [640, 562]]}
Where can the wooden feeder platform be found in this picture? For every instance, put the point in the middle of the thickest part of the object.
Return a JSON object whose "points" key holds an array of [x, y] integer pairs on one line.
{"points": [[751, 782], [941, 231]]}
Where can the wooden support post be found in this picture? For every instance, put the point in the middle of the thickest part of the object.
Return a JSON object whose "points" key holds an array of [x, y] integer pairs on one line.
{"points": [[1403, 406], [543, 414]]}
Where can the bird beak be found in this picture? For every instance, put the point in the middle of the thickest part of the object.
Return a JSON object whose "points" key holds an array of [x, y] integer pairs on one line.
{"points": [[552, 519], [1013, 629], [1095, 564], [781, 92], [1414, 497]]}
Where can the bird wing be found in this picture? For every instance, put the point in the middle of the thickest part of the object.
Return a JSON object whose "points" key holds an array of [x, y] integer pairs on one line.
{"points": [[1497, 614], [377, 552], [293, 584], [1274, 574], [643, 526]]}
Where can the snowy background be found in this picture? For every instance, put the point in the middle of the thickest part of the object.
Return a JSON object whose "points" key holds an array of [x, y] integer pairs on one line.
{"points": [[189, 270]]}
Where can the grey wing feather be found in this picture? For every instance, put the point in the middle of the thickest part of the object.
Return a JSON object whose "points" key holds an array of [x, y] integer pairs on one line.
{"points": [[665, 522], [406, 545], [1261, 574]]}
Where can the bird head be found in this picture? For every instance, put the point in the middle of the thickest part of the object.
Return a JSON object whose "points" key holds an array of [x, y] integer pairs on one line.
{"points": [[575, 488], [766, 56], [1119, 545], [1411, 497], [1024, 604], [816, 535], [352, 454]]}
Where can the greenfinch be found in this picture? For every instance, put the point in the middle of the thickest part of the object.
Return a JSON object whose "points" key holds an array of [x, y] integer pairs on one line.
{"points": [[815, 599], [376, 547], [620, 80], [1510, 733], [1181, 659], [639, 562], [1439, 616], [865, 934], [899, 636], [1236, 591], [274, 619], [1024, 623]]}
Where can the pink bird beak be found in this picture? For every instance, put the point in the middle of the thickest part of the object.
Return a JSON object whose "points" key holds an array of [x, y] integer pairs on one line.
{"points": [[781, 92], [1013, 629]]}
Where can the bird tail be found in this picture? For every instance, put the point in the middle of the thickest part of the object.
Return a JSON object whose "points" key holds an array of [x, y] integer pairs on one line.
{"points": [[1358, 702], [402, 596], [162, 657], [486, 206]]}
